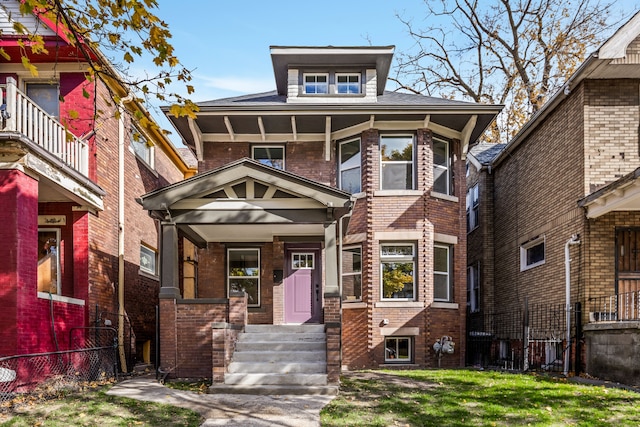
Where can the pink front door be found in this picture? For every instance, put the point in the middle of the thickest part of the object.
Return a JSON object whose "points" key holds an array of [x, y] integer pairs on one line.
{"points": [[302, 286]]}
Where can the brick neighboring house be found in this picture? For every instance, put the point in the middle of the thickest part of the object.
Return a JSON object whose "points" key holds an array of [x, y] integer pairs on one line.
{"points": [[68, 183], [342, 201], [568, 181]]}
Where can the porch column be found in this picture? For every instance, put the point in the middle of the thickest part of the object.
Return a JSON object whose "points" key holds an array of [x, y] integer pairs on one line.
{"points": [[169, 280], [332, 313]]}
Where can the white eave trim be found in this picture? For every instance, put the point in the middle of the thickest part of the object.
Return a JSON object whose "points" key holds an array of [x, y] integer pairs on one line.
{"points": [[625, 198]]}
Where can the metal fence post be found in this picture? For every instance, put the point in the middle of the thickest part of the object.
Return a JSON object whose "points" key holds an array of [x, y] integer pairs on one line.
{"points": [[525, 335]]}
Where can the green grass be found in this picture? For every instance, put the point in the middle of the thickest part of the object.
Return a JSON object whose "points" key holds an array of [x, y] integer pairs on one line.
{"points": [[473, 398], [95, 408]]}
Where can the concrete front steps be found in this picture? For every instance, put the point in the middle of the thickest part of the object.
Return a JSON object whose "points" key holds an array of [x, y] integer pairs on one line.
{"points": [[278, 359]]}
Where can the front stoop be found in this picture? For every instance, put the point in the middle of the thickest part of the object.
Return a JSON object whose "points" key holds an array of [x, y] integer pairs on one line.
{"points": [[278, 359]]}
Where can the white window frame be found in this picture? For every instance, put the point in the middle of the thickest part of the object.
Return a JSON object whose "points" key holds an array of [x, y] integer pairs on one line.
{"points": [[391, 162], [257, 278], [473, 206], [391, 351], [354, 273], [57, 258], [342, 169], [302, 261], [152, 253], [315, 83], [405, 259], [447, 274], [142, 148], [348, 84], [528, 246], [261, 146], [446, 168], [473, 287]]}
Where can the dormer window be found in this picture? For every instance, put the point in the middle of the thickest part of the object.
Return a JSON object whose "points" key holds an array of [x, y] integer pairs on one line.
{"points": [[316, 83], [347, 83]]}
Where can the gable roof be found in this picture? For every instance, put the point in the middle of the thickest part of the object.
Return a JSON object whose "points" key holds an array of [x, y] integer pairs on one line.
{"points": [[610, 61], [483, 153]]}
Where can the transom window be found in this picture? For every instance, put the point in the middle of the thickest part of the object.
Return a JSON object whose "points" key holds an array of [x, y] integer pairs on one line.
{"points": [[441, 166], [397, 269], [532, 253], [350, 178], [396, 162], [397, 349], [301, 261], [316, 83], [49, 260], [148, 259], [269, 155], [243, 273], [352, 273], [347, 83], [442, 273]]}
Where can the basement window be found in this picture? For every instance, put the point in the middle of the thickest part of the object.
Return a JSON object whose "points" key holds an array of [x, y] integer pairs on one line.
{"points": [[397, 350]]}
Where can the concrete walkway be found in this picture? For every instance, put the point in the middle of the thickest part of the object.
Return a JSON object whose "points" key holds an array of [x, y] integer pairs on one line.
{"points": [[229, 409]]}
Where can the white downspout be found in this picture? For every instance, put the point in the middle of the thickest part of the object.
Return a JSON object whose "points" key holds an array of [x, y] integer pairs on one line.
{"points": [[121, 201], [574, 240]]}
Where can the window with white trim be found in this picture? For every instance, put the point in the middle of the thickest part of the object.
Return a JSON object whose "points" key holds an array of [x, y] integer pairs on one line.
{"points": [[316, 84], [347, 83], [441, 166], [442, 280], [473, 287], [352, 273], [397, 349], [49, 260], [350, 178], [473, 208], [532, 253], [396, 162], [46, 96], [148, 259], [270, 155], [142, 147], [397, 269], [243, 273]]}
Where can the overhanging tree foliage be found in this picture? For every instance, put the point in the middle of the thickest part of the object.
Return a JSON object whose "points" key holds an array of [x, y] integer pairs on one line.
{"points": [[511, 52], [122, 31]]}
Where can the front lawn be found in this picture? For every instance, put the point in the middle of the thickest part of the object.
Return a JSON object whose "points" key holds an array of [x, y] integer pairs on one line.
{"points": [[475, 398]]}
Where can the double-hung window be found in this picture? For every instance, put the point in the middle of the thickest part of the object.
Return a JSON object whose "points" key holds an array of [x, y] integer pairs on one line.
{"points": [[473, 287], [352, 273], [532, 253], [243, 273], [398, 271], [142, 147], [442, 273], [396, 162], [316, 83], [472, 208], [347, 83], [441, 166], [269, 155], [350, 179]]}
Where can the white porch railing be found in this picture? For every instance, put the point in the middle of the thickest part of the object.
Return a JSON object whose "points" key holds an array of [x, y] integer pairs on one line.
{"points": [[20, 114]]}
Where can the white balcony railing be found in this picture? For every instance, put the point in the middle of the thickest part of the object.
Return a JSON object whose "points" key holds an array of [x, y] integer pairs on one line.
{"points": [[20, 114]]}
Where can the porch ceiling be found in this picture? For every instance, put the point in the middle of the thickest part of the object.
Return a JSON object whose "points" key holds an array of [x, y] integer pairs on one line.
{"points": [[253, 232], [621, 195]]}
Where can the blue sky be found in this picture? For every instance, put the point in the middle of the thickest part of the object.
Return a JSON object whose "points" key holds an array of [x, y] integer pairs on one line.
{"points": [[226, 42]]}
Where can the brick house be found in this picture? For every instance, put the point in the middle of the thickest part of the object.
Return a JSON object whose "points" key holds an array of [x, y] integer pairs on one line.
{"points": [[565, 185], [343, 202], [78, 249]]}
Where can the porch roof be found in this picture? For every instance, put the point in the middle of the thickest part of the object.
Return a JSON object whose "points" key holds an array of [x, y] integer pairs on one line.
{"points": [[620, 195], [246, 201]]}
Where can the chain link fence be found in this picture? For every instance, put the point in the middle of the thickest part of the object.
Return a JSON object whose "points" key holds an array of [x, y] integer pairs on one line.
{"points": [[94, 359]]}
